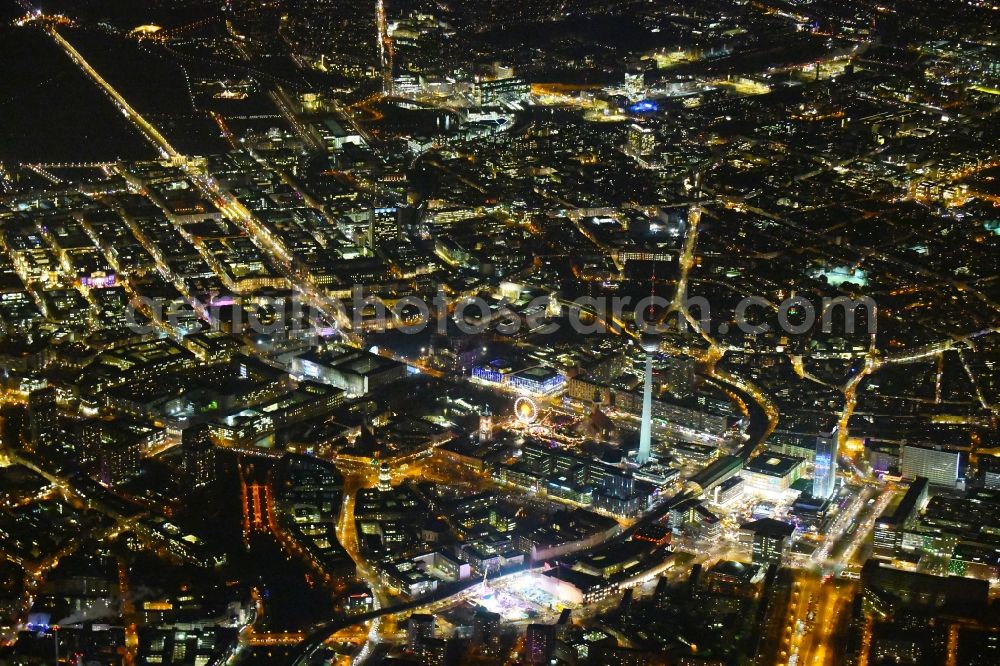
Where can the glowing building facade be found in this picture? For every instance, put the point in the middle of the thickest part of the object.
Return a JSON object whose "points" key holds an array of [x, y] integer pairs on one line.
{"points": [[825, 471], [650, 346]]}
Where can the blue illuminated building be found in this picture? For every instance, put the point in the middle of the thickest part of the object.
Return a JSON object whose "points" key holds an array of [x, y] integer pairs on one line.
{"points": [[644, 106], [538, 379], [825, 472]]}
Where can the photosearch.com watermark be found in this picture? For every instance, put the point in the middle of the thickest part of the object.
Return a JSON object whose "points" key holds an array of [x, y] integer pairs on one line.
{"points": [[298, 316]]}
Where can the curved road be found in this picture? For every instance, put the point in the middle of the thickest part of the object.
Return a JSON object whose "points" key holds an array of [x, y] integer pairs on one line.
{"points": [[321, 632]]}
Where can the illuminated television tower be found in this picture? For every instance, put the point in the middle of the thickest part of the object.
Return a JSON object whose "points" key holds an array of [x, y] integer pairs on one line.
{"points": [[385, 48], [650, 344]]}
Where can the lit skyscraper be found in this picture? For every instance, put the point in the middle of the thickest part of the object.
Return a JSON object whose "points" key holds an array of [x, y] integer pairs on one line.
{"points": [[384, 477], [486, 425], [539, 644], [199, 455], [825, 472], [43, 421], [641, 140]]}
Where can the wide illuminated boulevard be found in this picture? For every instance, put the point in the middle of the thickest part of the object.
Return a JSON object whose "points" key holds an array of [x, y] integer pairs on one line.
{"points": [[520, 332]]}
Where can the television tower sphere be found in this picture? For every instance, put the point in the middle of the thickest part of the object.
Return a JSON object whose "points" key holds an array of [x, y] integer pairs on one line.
{"points": [[650, 343]]}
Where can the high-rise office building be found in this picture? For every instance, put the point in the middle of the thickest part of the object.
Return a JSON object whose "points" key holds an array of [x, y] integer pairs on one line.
{"points": [[768, 540], [119, 461], [940, 466], [199, 455], [887, 535], [989, 472], [43, 420], [494, 91], [677, 372], [635, 84], [539, 644], [486, 630], [440, 652], [825, 471], [88, 438], [419, 629], [641, 140]]}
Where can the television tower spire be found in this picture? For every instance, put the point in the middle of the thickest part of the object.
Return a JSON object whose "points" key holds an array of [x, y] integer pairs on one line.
{"points": [[650, 344]]}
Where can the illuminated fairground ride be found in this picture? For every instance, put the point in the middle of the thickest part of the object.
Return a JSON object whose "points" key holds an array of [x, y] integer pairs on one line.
{"points": [[529, 419], [526, 410]]}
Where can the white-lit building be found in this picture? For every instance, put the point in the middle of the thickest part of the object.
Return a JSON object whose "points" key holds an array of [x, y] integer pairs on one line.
{"points": [[772, 472], [938, 465]]}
